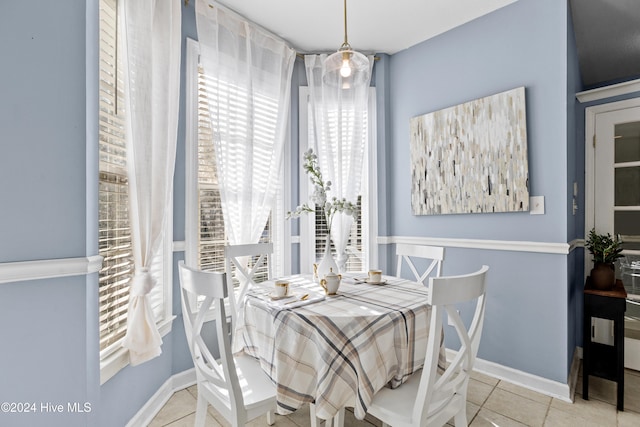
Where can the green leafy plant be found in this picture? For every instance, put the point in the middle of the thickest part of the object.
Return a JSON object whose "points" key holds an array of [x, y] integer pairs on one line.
{"points": [[603, 247]]}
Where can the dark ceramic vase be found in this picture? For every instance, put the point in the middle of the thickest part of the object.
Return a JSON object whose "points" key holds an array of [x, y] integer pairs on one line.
{"points": [[603, 276]]}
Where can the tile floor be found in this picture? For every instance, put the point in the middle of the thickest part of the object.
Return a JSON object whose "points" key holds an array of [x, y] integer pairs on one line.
{"points": [[491, 403]]}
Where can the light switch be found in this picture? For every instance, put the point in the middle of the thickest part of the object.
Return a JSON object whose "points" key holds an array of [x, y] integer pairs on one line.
{"points": [[536, 205]]}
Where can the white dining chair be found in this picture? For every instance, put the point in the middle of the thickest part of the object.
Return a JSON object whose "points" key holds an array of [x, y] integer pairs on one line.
{"points": [[408, 253], [235, 386], [430, 397], [243, 262]]}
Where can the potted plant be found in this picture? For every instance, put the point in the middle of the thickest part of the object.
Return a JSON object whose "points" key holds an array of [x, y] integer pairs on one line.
{"points": [[605, 250]]}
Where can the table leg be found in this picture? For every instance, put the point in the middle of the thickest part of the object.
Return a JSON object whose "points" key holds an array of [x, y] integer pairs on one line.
{"points": [[619, 340], [586, 341]]}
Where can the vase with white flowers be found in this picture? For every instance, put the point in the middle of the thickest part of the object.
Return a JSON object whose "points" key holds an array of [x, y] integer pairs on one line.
{"points": [[321, 203]]}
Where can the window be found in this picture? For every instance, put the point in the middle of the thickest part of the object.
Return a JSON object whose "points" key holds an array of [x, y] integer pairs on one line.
{"points": [[361, 245], [115, 234], [114, 240], [205, 233]]}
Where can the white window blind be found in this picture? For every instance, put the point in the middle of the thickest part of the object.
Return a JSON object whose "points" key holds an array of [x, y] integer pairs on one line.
{"points": [[356, 245], [211, 233], [114, 228]]}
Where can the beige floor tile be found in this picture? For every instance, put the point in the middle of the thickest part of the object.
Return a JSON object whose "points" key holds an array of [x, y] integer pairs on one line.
{"points": [[606, 391], [628, 419], [632, 372], [519, 408], [632, 393], [351, 421], [599, 389], [490, 403], [181, 404], [593, 410], [484, 378], [373, 420], [478, 391], [193, 390], [281, 421], [472, 411], [301, 416], [487, 418], [524, 392], [558, 418], [189, 421]]}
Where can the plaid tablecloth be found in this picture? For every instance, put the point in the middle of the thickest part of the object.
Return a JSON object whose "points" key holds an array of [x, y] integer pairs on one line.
{"points": [[340, 351]]}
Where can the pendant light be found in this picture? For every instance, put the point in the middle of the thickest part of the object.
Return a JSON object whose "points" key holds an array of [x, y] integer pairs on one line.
{"points": [[346, 68]]}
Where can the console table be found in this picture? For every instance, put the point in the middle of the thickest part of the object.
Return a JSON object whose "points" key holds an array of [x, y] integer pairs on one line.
{"points": [[601, 360]]}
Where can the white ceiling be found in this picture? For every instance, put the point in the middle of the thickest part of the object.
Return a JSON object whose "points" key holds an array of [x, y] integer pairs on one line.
{"points": [[374, 26]]}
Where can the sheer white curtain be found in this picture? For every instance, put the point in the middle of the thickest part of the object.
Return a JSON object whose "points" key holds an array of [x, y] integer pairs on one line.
{"points": [[151, 58], [338, 115], [250, 72]]}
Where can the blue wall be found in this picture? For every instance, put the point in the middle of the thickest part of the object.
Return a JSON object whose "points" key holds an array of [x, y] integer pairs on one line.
{"points": [[523, 44], [48, 91], [48, 349], [48, 193]]}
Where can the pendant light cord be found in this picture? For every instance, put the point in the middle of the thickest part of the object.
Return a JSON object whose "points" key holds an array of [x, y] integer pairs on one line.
{"points": [[345, 45], [345, 23]]}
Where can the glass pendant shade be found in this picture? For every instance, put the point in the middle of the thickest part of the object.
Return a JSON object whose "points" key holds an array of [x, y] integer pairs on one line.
{"points": [[346, 68]]}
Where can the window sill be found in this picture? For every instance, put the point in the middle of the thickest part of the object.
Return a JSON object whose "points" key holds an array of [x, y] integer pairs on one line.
{"points": [[115, 362]]}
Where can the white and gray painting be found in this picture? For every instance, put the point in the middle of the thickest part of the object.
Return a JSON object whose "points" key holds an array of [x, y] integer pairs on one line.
{"points": [[472, 157]]}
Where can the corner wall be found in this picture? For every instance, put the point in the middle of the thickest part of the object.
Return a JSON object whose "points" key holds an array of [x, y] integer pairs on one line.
{"points": [[522, 44]]}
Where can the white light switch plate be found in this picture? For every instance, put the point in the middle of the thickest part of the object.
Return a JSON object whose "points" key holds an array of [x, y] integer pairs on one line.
{"points": [[536, 205]]}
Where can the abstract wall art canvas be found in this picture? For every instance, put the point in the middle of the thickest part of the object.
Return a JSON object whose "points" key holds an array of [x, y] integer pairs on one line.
{"points": [[471, 158]]}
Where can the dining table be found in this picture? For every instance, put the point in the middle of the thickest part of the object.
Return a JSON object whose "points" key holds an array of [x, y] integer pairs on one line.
{"points": [[335, 350]]}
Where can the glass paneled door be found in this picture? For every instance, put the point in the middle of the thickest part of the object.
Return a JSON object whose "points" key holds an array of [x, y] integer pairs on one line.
{"points": [[617, 207]]}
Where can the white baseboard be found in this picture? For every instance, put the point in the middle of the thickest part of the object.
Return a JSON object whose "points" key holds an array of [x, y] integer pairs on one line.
{"points": [[150, 409], [532, 382]]}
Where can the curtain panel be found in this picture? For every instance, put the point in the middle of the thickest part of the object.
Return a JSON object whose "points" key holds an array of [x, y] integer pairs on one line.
{"points": [[250, 74], [338, 116], [151, 58]]}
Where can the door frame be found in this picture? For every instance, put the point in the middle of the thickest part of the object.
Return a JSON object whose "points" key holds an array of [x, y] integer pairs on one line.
{"points": [[631, 346], [589, 160]]}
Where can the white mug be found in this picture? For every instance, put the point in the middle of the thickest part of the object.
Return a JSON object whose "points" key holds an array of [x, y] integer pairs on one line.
{"points": [[281, 288], [375, 276]]}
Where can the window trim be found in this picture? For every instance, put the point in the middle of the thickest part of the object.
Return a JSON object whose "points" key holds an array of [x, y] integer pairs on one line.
{"points": [[369, 197], [191, 152]]}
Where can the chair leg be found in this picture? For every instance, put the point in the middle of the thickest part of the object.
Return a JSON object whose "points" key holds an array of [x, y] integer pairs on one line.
{"points": [[201, 411], [338, 419], [271, 418], [460, 418], [315, 422]]}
